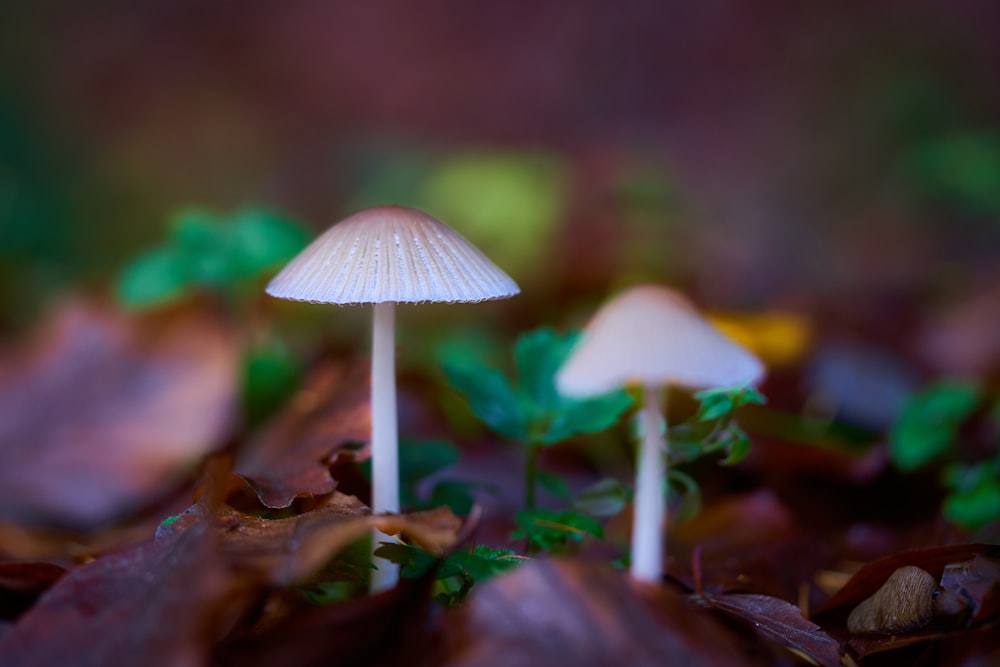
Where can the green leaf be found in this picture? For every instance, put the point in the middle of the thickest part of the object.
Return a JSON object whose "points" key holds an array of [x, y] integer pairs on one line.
{"points": [[929, 423], [329, 592], [548, 529], [538, 355], [203, 241], [589, 415], [154, 277], [413, 562], [491, 398], [690, 494], [345, 577], [270, 375], [480, 564], [263, 240], [419, 459], [718, 403], [554, 484], [974, 501], [534, 411], [963, 168], [714, 405], [605, 498], [737, 444], [551, 416], [456, 494]]}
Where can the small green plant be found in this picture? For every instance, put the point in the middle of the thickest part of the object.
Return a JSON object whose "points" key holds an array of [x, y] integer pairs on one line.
{"points": [[529, 409], [929, 432], [203, 250], [555, 531], [421, 459], [343, 578], [456, 574], [225, 256]]}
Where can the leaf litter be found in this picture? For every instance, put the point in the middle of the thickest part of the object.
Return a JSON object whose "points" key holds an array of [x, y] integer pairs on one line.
{"points": [[221, 583]]}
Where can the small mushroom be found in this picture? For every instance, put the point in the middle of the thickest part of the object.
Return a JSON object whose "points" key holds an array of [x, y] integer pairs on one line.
{"points": [[384, 256], [652, 336], [904, 603]]}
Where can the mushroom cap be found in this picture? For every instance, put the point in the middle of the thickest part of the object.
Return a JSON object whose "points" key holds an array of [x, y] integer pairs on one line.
{"points": [[653, 336], [390, 253]]}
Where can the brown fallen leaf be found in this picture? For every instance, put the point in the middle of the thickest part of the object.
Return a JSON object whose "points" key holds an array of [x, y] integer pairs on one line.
{"points": [[391, 628], [288, 550], [22, 583], [161, 604], [777, 621], [292, 455], [104, 413], [563, 612], [977, 582], [749, 542]]}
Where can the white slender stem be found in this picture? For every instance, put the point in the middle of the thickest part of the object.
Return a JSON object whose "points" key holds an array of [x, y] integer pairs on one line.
{"points": [[650, 508], [385, 438]]}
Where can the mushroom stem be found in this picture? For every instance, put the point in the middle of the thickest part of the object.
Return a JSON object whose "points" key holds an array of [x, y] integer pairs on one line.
{"points": [[385, 445], [649, 507]]}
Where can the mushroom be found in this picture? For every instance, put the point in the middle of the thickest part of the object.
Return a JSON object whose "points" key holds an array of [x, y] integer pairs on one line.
{"points": [[652, 336], [384, 256]]}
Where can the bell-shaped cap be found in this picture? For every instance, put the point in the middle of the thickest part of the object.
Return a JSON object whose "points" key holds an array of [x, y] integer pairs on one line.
{"points": [[391, 253], [651, 335]]}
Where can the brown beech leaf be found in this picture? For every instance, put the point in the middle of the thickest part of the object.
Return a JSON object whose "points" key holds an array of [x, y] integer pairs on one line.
{"points": [[748, 542], [390, 628], [105, 412], [562, 612], [162, 603], [22, 583], [778, 621], [291, 457], [976, 581], [287, 550]]}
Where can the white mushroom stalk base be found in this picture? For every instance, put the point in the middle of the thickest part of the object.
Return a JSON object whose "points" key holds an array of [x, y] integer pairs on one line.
{"points": [[649, 506], [385, 445]]}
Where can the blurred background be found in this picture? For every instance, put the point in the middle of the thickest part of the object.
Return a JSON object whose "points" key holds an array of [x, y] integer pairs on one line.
{"points": [[823, 178], [800, 155]]}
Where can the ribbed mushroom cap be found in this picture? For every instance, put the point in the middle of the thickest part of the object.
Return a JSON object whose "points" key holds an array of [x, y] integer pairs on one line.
{"points": [[651, 335], [390, 253]]}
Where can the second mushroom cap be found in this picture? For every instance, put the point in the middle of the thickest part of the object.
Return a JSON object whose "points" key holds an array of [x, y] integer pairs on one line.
{"points": [[652, 335]]}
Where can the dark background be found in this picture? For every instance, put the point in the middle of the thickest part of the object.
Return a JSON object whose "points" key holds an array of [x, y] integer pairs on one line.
{"points": [[836, 160]]}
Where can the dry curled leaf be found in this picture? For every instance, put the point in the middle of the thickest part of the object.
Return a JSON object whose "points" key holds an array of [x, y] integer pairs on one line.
{"points": [[291, 457], [283, 551], [160, 604], [575, 613], [105, 412], [21, 583], [777, 621]]}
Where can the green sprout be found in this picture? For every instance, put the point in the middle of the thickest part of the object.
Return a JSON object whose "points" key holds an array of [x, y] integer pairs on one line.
{"points": [[224, 256], [929, 432], [529, 409], [209, 252], [456, 574]]}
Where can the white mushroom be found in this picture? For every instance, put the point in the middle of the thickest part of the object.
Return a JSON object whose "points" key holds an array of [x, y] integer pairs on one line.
{"points": [[652, 336], [384, 256]]}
